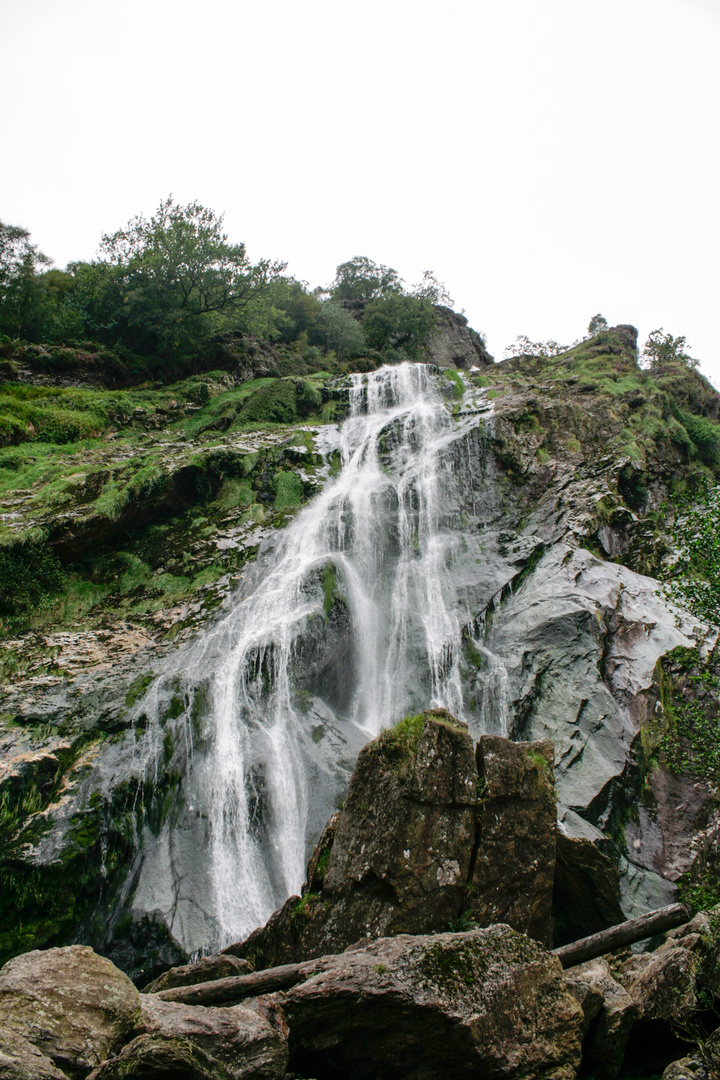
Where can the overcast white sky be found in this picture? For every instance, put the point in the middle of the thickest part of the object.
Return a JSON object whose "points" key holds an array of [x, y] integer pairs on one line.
{"points": [[548, 159]]}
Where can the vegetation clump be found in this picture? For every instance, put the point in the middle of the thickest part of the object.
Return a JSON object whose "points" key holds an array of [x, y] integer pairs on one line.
{"points": [[172, 295], [693, 577]]}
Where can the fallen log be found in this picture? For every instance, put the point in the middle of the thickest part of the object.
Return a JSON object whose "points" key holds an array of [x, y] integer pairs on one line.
{"points": [[234, 988], [626, 933]]}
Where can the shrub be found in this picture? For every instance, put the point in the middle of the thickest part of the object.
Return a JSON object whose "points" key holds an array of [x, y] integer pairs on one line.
{"points": [[28, 572]]}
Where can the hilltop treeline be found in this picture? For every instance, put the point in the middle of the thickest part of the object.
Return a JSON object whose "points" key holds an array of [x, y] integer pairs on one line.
{"points": [[171, 294]]}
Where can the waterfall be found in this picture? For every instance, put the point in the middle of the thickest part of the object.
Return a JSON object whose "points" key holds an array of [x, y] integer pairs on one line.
{"points": [[492, 678], [367, 567]]}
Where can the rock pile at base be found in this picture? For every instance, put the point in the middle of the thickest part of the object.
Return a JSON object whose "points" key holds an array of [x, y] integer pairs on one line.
{"points": [[484, 1002]]}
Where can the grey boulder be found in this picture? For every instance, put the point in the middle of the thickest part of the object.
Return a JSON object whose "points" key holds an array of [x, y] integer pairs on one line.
{"points": [[76, 1007], [484, 1003], [204, 970], [20, 1060]]}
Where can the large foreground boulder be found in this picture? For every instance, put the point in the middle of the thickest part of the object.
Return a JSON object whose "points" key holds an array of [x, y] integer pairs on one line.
{"points": [[512, 879], [428, 834], [484, 1003], [397, 857], [76, 1007]]}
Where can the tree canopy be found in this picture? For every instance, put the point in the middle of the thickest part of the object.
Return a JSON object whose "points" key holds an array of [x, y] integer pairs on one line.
{"points": [[171, 292], [20, 262], [177, 271], [361, 280]]}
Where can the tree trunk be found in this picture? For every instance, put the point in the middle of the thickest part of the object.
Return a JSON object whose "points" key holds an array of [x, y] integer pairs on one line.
{"points": [[236, 987], [617, 937]]}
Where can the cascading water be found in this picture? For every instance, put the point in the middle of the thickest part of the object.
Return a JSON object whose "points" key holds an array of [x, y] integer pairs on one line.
{"points": [[493, 695], [366, 566]]}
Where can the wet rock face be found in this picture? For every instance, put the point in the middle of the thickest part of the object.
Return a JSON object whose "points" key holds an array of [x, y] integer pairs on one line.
{"points": [[582, 639], [577, 637], [73, 1005], [512, 878], [492, 1002], [325, 658]]}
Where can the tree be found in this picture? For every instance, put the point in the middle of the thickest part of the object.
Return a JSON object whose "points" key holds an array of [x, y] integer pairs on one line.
{"points": [[597, 324], [283, 312], [433, 290], [661, 348], [337, 329], [523, 346], [360, 280], [400, 323], [20, 290], [179, 276]]}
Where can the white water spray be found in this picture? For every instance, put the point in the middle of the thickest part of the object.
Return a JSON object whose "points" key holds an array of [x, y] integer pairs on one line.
{"points": [[378, 535]]}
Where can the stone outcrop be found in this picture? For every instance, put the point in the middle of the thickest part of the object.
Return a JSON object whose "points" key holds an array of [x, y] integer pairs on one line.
{"points": [[492, 1002], [203, 970], [454, 343], [429, 833], [609, 1014], [396, 858], [73, 1005], [512, 877]]}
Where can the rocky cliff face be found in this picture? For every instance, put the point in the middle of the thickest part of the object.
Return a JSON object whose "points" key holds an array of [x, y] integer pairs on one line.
{"points": [[454, 344], [530, 499]]}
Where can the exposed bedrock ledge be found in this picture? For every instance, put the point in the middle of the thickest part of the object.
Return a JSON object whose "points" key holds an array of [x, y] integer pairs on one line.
{"points": [[580, 639]]}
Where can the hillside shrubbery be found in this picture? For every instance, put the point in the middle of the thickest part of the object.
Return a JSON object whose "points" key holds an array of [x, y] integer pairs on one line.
{"points": [[171, 296]]}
